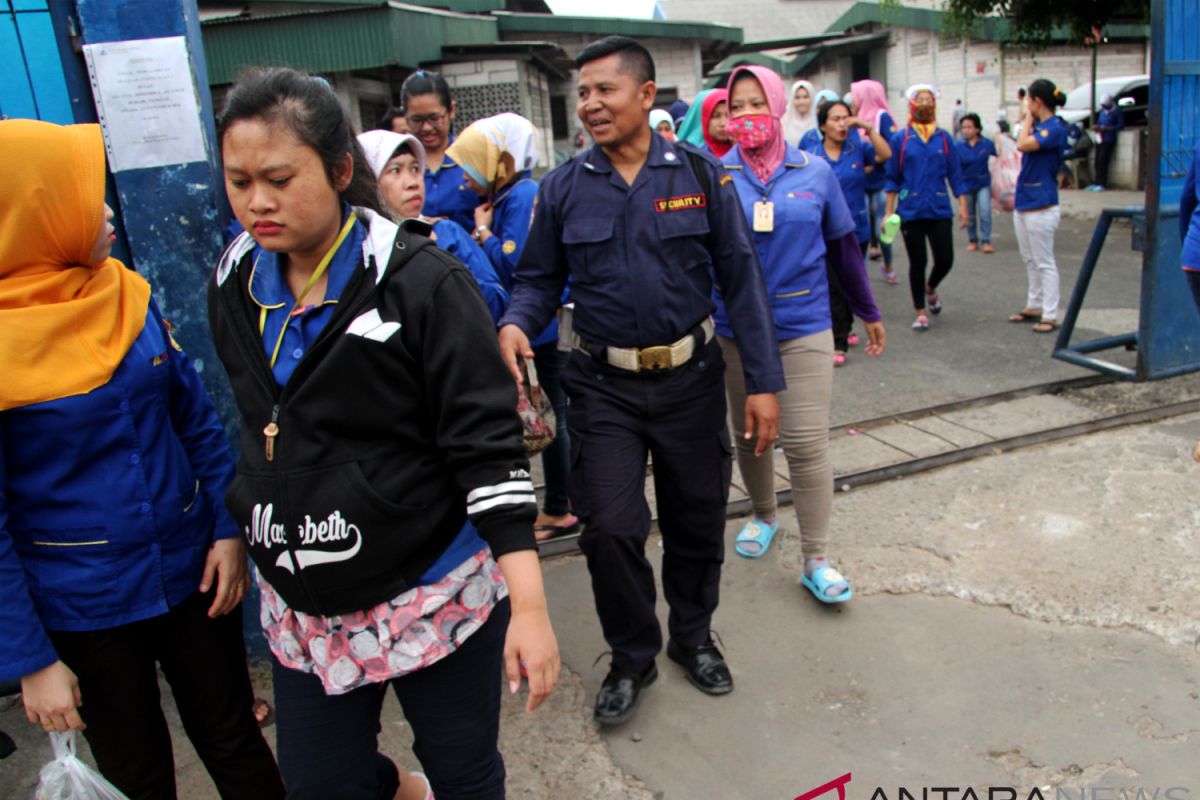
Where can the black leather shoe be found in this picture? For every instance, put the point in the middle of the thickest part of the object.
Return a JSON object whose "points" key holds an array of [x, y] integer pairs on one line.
{"points": [[619, 695], [705, 666]]}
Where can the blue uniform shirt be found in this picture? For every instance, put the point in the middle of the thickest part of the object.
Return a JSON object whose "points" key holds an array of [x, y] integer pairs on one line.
{"points": [[809, 140], [300, 326], [1109, 121], [974, 160], [447, 194], [453, 239], [808, 209], [877, 178], [109, 501], [513, 212], [1037, 182], [1189, 218], [919, 172], [850, 171], [642, 258]]}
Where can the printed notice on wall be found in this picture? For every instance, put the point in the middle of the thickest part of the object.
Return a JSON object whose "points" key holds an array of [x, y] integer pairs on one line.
{"points": [[146, 102]]}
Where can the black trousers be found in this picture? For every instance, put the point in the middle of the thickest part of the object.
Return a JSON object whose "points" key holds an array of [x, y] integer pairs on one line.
{"points": [[678, 417], [1104, 154], [940, 234], [329, 744], [204, 661]]}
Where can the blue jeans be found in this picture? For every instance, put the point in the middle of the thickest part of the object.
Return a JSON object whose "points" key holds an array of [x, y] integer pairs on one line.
{"points": [[877, 203], [328, 746], [556, 459], [979, 207]]}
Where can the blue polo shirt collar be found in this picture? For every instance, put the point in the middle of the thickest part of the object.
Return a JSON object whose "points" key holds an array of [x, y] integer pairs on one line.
{"points": [[269, 289]]}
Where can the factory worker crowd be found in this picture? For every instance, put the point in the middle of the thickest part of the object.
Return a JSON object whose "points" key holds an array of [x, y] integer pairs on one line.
{"points": [[396, 310]]}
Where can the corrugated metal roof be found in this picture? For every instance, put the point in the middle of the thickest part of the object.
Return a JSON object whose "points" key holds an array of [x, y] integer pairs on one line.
{"points": [[607, 26], [339, 40], [993, 29]]}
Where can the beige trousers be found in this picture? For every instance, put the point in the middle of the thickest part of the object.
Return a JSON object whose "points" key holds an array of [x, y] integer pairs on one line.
{"points": [[803, 435]]}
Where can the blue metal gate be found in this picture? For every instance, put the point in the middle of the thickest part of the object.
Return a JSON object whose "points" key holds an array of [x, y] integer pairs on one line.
{"points": [[32, 84], [1168, 335]]}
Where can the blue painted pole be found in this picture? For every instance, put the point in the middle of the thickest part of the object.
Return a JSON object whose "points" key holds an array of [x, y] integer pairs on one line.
{"points": [[174, 216]]}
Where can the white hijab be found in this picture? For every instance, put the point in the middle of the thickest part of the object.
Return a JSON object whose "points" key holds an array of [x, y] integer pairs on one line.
{"points": [[380, 146], [795, 124]]}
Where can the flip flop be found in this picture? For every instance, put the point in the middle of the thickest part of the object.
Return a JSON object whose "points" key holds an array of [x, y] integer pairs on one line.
{"points": [[547, 531], [1025, 316], [755, 537], [821, 580], [1045, 326]]}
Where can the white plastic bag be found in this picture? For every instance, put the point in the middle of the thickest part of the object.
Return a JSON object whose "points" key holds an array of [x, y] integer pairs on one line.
{"points": [[68, 778]]}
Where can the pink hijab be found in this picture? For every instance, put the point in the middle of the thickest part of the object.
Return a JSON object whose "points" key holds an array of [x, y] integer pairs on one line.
{"points": [[871, 99], [767, 157]]}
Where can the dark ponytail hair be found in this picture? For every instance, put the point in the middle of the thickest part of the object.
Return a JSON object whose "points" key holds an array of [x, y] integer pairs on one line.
{"points": [[307, 106], [825, 108], [1048, 93], [424, 81]]}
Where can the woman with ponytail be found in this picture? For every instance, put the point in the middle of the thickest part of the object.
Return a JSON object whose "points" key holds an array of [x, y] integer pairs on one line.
{"points": [[1041, 140]]}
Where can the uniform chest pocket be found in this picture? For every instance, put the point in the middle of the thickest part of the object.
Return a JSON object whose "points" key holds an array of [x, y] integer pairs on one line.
{"points": [[683, 234], [589, 244]]}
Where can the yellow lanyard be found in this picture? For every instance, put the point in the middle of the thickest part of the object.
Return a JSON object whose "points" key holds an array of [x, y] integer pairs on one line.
{"points": [[312, 281]]}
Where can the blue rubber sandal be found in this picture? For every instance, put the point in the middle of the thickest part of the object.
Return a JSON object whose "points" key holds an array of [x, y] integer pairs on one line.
{"points": [[755, 537], [822, 579]]}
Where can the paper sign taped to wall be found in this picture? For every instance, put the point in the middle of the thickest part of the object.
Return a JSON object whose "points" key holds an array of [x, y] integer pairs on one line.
{"points": [[146, 101]]}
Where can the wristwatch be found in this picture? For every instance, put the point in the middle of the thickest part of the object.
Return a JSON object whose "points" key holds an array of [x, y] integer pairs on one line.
{"points": [[478, 233]]}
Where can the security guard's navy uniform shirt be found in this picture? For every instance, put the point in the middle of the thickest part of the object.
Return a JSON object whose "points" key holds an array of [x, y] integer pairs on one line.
{"points": [[642, 257]]}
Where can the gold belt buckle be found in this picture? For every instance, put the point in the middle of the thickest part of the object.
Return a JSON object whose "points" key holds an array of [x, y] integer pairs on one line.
{"points": [[658, 357]]}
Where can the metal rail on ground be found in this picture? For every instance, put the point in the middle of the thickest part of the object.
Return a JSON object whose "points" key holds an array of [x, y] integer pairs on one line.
{"points": [[565, 545]]}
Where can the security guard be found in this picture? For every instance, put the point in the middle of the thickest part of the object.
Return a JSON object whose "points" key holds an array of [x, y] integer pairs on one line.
{"points": [[641, 226]]}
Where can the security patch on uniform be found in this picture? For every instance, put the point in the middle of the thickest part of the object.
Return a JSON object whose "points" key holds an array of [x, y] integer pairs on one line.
{"points": [[161, 358], [509, 247], [681, 203], [726, 179]]}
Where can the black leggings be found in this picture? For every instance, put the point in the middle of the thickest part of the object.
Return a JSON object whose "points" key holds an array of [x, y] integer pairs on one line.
{"points": [[939, 232]]}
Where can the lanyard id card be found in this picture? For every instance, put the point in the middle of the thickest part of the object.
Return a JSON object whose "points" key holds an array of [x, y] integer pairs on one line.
{"points": [[764, 216]]}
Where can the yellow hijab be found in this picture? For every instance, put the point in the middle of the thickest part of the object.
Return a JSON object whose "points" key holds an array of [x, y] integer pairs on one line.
{"points": [[494, 149], [64, 326]]}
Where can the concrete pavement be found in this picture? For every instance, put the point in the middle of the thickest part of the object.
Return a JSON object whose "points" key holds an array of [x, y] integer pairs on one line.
{"points": [[1025, 620]]}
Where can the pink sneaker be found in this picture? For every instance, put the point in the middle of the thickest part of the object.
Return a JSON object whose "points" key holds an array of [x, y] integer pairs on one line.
{"points": [[839, 358], [853, 339], [921, 323]]}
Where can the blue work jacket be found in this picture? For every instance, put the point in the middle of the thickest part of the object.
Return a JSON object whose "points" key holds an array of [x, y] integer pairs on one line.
{"points": [[513, 214], [919, 172], [974, 161], [447, 194], [1037, 182], [850, 169], [1109, 122], [808, 209], [1189, 218], [877, 178], [642, 257], [452, 238], [109, 501]]}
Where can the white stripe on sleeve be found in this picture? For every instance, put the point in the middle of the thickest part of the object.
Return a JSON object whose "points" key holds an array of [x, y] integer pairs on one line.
{"points": [[500, 488], [501, 500]]}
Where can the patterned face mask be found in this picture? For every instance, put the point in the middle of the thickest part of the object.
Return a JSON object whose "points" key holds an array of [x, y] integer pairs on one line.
{"points": [[923, 114], [753, 130]]}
